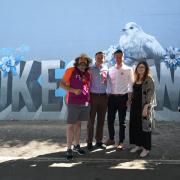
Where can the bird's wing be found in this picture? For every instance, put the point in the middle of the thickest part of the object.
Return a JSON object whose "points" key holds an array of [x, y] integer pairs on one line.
{"points": [[132, 46], [153, 48], [154, 51]]}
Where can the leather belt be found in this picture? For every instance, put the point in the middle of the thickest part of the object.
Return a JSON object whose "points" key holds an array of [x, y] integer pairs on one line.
{"points": [[98, 94], [117, 94]]}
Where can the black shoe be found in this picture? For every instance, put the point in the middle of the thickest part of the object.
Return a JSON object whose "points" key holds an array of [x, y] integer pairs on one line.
{"points": [[100, 145], [78, 150], [89, 146], [69, 154]]}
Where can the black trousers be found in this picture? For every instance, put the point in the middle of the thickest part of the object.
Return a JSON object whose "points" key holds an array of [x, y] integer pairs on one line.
{"points": [[117, 103]]}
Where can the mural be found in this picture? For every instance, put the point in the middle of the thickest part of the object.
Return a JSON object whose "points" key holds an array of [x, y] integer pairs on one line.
{"points": [[30, 89]]}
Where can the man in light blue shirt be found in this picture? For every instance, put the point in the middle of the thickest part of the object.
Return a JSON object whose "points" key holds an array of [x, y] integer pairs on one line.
{"points": [[98, 100]]}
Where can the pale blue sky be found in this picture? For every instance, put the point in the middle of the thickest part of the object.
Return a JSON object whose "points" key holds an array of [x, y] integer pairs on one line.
{"points": [[61, 29]]}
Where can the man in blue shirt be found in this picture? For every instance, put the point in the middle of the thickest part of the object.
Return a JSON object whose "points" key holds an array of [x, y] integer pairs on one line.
{"points": [[98, 100]]}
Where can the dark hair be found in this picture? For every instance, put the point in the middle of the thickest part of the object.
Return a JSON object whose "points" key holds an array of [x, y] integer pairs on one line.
{"points": [[118, 51], [84, 56], [146, 73], [99, 52]]}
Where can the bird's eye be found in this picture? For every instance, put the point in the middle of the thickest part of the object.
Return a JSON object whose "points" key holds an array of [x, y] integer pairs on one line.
{"points": [[131, 28]]}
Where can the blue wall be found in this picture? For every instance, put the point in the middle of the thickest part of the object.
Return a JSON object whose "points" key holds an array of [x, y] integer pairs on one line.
{"points": [[64, 28]]}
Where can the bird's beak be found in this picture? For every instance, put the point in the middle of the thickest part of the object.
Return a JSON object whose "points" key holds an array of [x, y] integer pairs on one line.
{"points": [[123, 29]]}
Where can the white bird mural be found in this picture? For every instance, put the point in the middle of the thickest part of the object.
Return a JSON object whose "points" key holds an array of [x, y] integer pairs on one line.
{"points": [[137, 46]]}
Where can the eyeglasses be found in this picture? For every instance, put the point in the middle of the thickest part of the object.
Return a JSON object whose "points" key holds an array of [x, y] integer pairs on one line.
{"points": [[141, 67]]}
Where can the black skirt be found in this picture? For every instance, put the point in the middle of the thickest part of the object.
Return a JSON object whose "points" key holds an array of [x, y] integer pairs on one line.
{"points": [[136, 135]]}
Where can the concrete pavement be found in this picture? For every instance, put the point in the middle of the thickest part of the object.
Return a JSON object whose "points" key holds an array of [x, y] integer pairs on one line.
{"points": [[31, 150]]}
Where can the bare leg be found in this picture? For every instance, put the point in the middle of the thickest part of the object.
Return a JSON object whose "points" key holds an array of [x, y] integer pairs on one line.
{"points": [[70, 135], [77, 132]]}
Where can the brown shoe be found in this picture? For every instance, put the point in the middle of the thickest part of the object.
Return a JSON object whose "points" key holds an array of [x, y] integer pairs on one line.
{"points": [[120, 147], [109, 142]]}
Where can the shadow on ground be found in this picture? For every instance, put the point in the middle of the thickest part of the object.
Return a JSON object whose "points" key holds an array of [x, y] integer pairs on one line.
{"points": [[53, 166], [40, 147]]}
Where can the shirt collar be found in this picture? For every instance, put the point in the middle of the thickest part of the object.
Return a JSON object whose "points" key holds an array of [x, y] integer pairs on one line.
{"points": [[120, 67], [98, 67]]}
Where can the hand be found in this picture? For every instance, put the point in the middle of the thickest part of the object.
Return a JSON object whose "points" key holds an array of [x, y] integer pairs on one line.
{"points": [[128, 103], [76, 91], [145, 111]]}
